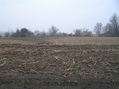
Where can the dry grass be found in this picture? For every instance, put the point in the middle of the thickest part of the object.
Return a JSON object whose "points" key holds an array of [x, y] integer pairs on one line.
{"points": [[12, 41], [64, 40], [84, 40]]}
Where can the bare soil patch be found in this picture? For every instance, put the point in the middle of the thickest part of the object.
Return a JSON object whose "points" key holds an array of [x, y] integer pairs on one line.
{"points": [[43, 64]]}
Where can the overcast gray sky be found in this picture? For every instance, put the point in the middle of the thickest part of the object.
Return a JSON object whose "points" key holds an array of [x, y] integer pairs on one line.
{"points": [[66, 15]]}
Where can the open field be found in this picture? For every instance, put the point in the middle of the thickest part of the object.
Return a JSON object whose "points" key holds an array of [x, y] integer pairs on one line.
{"points": [[65, 40], [59, 63], [84, 40]]}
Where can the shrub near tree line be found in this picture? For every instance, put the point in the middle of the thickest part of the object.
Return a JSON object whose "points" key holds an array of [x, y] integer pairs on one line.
{"points": [[24, 32]]}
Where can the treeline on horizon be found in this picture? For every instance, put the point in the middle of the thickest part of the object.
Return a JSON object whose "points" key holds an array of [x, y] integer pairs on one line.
{"points": [[111, 29]]}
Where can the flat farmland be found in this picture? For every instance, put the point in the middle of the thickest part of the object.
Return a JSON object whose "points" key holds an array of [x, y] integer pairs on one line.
{"points": [[85, 40], [59, 63]]}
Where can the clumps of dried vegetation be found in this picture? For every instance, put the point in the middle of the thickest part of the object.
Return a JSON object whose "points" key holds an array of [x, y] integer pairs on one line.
{"points": [[61, 63]]}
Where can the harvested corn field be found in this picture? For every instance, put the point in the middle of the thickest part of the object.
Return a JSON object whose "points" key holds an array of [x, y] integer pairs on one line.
{"points": [[59, 63]]}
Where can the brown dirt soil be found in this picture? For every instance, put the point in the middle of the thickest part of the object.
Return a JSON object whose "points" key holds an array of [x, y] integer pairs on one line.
{"points": [[46, 65]]}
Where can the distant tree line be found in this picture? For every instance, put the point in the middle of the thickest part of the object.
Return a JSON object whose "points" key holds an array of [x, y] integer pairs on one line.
{"points": [[82, 33], [111, 29], [24, 32]]}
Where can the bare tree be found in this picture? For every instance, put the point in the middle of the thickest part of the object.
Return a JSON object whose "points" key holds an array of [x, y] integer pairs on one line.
{"points": [[43, 33], [98, 28], [115, 24], [77, 32], [0, 35], [86, 33], [107, 30], [7, 34], [82, 32], [36, 32], [63, 34], [53, 31]]}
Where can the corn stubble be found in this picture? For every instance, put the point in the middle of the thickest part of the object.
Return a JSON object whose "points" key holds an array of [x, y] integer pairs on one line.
{"points": [[46, 62]]}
